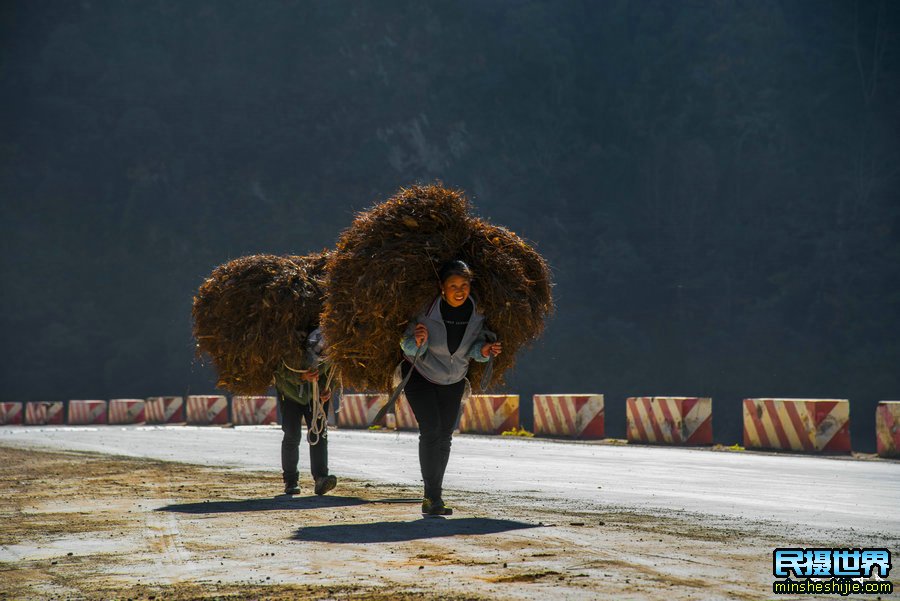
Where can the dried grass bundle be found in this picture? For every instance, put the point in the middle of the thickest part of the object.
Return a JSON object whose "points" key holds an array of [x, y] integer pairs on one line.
{"points": [[254, 312], [513, 289], [384, 272]]}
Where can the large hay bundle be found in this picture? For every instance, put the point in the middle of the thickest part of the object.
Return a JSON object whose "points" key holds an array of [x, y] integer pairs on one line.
{"points": [[384, 272], [254, 312]]}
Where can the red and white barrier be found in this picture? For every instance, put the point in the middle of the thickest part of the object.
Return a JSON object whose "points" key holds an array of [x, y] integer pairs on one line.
{"points": [[11, 414], [669, 420], [332, 416], [44, 413], [571, 415], [87, 413], [887, 428], [126, 411], [490, 414], [358, 410], [797, 424], [254, 410], [207, 410], [404, 418], [165, 410]]}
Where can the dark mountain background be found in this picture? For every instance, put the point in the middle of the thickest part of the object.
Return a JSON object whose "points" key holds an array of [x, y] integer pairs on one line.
{"points": [[716, 183]]}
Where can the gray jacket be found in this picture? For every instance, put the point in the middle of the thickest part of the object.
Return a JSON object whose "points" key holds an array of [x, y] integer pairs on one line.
{"points": [[436, 364]]}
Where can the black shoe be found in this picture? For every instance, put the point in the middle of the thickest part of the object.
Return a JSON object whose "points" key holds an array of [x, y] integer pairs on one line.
{"points": [[324, 484], [290, 482], [435, 507]]}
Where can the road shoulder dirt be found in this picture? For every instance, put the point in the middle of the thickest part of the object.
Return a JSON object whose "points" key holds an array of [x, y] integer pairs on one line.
{"points": [[77, 525]]}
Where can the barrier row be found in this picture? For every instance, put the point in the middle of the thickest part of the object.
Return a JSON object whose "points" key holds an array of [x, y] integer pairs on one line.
{"points": [[805, 425], [196, 410], [482, 414]]}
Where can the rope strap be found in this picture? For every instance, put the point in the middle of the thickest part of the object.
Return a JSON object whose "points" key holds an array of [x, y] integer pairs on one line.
{"points": [[318, 429]]}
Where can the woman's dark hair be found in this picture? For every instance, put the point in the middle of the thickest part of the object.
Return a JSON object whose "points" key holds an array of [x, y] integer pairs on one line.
{"points": [[455, 267]]}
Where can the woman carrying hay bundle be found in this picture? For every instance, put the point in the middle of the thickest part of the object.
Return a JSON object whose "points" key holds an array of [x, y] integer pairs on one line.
{"points": [[437, 347], [382, 274]]}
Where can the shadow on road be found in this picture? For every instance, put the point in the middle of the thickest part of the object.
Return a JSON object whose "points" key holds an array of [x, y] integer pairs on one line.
{"points": [[279, 503], [395, 532], [398, 500]]}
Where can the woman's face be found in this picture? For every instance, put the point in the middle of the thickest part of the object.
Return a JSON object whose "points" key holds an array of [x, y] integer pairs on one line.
{"points": [[455, 290]]}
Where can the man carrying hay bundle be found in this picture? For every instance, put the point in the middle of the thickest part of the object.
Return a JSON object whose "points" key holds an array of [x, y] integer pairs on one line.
{"points": [[257, 318], [304, 394], [386, 271]]}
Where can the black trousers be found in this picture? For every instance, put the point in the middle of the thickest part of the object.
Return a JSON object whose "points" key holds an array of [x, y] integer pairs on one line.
{"points": [[292, 417], [436, 408]]}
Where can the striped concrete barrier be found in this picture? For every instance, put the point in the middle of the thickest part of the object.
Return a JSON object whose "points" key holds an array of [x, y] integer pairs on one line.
{"points": [[810, 425], [332, 416], [165, 410], [669, 420], [254, 410], [887, 428], [207, 410], [570, 415], [490, 414], [126, 411], [11, 414], [44, 413], [358, 410], [87, 413], [404, 418]]}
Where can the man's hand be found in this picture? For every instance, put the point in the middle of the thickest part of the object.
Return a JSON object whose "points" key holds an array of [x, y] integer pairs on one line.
{"points": [[491, 348], [310, 375], [324, 395], [421, 334]]}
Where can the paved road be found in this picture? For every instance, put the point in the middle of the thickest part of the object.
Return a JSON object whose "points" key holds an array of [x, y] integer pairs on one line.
{"points": [[816, 493]]}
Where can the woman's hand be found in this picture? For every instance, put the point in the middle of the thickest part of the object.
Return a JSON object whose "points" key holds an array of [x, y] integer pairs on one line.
{"points": [[421, 334], [491, 348], [324, 395], [310, 375]]}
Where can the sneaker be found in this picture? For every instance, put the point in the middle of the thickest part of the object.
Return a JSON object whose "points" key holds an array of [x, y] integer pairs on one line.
{"points": [[324, 484], [435, 507], [291, 488]]}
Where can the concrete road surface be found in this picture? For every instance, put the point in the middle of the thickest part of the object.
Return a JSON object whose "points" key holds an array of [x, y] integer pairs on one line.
{"points": [[808, 491], [672, 511]]}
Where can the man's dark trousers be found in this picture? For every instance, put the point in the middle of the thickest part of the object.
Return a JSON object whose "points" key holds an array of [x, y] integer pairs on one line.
{"points": [[292, 416]]}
